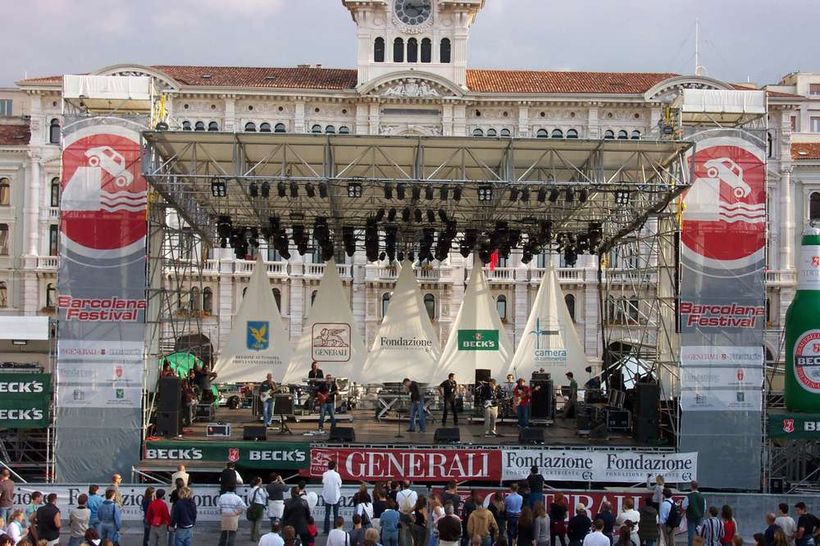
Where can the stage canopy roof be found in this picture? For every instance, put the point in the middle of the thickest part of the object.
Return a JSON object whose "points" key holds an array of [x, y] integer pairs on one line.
{"points": [[568, 183]]}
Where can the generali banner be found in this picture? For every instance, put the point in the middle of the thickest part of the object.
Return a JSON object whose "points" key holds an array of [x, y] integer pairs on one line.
{"points": [[418, 465], [619, 466]]}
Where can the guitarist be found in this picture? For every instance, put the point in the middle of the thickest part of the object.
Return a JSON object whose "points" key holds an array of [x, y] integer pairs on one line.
{"points": [[266, 390], [522, 397], [326, 400]]}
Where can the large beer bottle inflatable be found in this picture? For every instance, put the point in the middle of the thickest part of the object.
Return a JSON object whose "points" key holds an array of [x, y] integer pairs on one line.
{"points": [[803, 329]]}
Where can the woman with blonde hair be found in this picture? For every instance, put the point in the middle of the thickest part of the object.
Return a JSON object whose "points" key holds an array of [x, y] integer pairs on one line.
{"points": [[657, 490]]}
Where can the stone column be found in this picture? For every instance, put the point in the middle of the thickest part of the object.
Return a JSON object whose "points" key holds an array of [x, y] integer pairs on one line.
{"points": [[362, 118], [299, 116], [374, 118], [593, 129], [229, 123], [459, 120], [523, 121], [297, 296], [227, 293]]}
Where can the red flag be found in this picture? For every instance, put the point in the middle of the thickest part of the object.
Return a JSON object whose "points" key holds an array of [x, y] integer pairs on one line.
{"points": [[494, 260]]}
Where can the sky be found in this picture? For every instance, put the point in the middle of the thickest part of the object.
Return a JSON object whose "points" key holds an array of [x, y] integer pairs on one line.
{"points": [[740, 40]]}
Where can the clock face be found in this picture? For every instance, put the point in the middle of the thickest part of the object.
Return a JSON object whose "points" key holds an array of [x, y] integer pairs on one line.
{"points": [[413, 12]]}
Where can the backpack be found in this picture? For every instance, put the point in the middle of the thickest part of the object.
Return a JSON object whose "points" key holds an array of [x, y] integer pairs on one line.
{"points": [[674, 517]]}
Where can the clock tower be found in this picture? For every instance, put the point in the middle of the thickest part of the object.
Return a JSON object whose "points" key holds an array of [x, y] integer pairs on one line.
{"points": [[425, 36]]}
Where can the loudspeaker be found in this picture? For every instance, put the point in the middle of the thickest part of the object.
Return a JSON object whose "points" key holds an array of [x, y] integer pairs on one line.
{"points": [[543, 400], [531, 436], [617, 420], [447, 436], [169, 423], [482, 376], [777, 486], [255, 433], [283, 404], [170, 394], [342, 435], [647, 412]]}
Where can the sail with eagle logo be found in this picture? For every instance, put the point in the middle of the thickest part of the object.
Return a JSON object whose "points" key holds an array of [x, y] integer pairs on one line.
{"points": [[550, 340], [330, 336], [258, 342], [478, 340]]}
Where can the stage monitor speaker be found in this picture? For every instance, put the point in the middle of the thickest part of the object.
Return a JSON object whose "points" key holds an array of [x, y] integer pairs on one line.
{"points": [[170, 394], [531, 436], [255, 433], [218, 430], [543, 400], [342, 435], [617, 420], [283, 404], [482, 376], [777, 486], [447, 435], [169, 423]]}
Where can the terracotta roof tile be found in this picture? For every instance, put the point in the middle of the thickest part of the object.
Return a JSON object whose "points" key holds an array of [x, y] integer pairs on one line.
{"points": [[529, 81], [14, 135], [806, 150], [282, 78]]}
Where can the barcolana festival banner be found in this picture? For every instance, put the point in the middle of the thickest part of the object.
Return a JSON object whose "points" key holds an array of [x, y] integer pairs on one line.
{"points": [[101, 297], [477, 339], [258, 341], [550, 340], [721, 312], [330, 336], [406, 344]]}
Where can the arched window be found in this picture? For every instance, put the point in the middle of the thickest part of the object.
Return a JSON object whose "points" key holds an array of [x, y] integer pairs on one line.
{"points": [[505, 132], [445, 51], [264, 127], [609, 134], [277, 297], [623, 135], [330, 130], [569, 299], [378, 50], [4, 239], [55, 192], [313, 297], [385, 303], [54, 131], [196, 300], [501, 306], [814, 206], [250, 127], [53, 240], [4, 294], [412, 50], [51, 296], [199, 126], [186, 125], [208, 300], [572, 133], [478, 132], [280, 128], [426, 50], [398, 50], [213, 126], [5, 192], [557, 133], [491, 132], [430, 305], [541, 133], [344, 130], [316, 129], [636, 135]]}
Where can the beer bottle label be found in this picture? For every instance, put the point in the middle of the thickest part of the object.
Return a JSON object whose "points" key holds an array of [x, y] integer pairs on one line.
{"points": [[808, 274], [807, 360]]}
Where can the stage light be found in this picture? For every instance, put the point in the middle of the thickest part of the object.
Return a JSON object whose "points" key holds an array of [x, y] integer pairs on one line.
{"points": [[513, 194], [485, 193], [554, 194], [542, 195], [405, 214], [354, 190], [595, 234], [583, 195], [444, 193], [442, 215], [388, 191], [349, 240], [264, 189], [400, 256], [418, 216], [281, 189], [457, 193], [400, 191], [294, 189], [431, 216], [382, 256], [411, 256], [621, 197], [310, 190], [253, 190], [327, 251], [464, 250], [223, 242], [570, 195], [415, 192], [323, 190], [224, 227], [219, 188], [380, 215], [525, 195], [429, 193], [570, 256], [391, 215]]}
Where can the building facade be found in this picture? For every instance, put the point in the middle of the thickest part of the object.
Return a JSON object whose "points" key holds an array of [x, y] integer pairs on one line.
{"points": [[412, 77]]}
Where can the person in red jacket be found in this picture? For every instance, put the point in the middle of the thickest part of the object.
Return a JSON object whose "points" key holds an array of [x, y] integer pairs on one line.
{"points": [[158, 519]]}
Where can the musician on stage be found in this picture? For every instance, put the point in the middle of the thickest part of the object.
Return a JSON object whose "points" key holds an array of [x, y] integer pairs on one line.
{"points": [[266, 390], [202, 378], [569, 409], [326, 398], [491, 395], [522, 396], [316, 373], [416, 405], [447, 390]]}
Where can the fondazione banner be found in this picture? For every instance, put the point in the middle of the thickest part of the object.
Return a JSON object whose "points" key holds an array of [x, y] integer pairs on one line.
{"points": [[721, 311], [101, 296]]}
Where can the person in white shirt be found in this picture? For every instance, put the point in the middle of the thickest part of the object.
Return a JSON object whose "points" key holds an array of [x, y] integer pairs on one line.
{"points": [[338, 536], [181, 473], [331, 493], [630, 514], [786, 522], [406, 499], [597, 536], [16, 529], [273, 538], [230, 507]]}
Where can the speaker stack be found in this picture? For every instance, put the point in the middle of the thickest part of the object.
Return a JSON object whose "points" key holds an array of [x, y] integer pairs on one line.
{"points": [[169, 414], [447, 435], [646, 415], [342, 435], [543, 399]]}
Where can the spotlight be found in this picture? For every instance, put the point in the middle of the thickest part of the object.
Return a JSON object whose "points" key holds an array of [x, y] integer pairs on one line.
{"points": [[388, 191], [219, 188], [380, 215], [485, 193], [583, 195], [310, 190], [265, 189], [428, 193], [415, 192], [281, 189], [554, 194], [525, 195], [418, 216], [354, 190], [391, 215], [294, 189], [400, 191], [570, 195], [253, 190], [323, 190], [224, 226], [457, 193], [570, 256], [542, 195], [621, 197], [405, 214], [513, 194], [444, 193], [431, 216]]}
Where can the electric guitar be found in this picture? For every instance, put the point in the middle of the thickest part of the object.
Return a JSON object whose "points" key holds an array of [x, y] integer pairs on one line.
{"points": [[266, 395], [518, 397]]}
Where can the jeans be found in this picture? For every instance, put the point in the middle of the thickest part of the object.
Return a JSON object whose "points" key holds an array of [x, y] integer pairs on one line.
{"points": [[490, 417], [535, 498], [157, 535], [226, 538], [390, 538], [487, 541], [182, 537], [170, 537], [5, 513], [327, 409], [691, 531], [267, 411], [648, 543], [146, 529], [328, 508], [417, 412], [75, 541], [523, 416], [451, 403], [110, 531], [512, 527]]}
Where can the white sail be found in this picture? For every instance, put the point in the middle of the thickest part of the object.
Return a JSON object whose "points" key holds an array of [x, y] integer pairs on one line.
{"points": [[330, 336], [550, 340], [258, 342], [406, 344], [477, 339]]}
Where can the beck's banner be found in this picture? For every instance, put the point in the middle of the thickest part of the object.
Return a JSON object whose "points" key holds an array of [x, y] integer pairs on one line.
{"points": [[721, 310], [25, 400], [101, 295], [244, 454], [618, 466]]}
